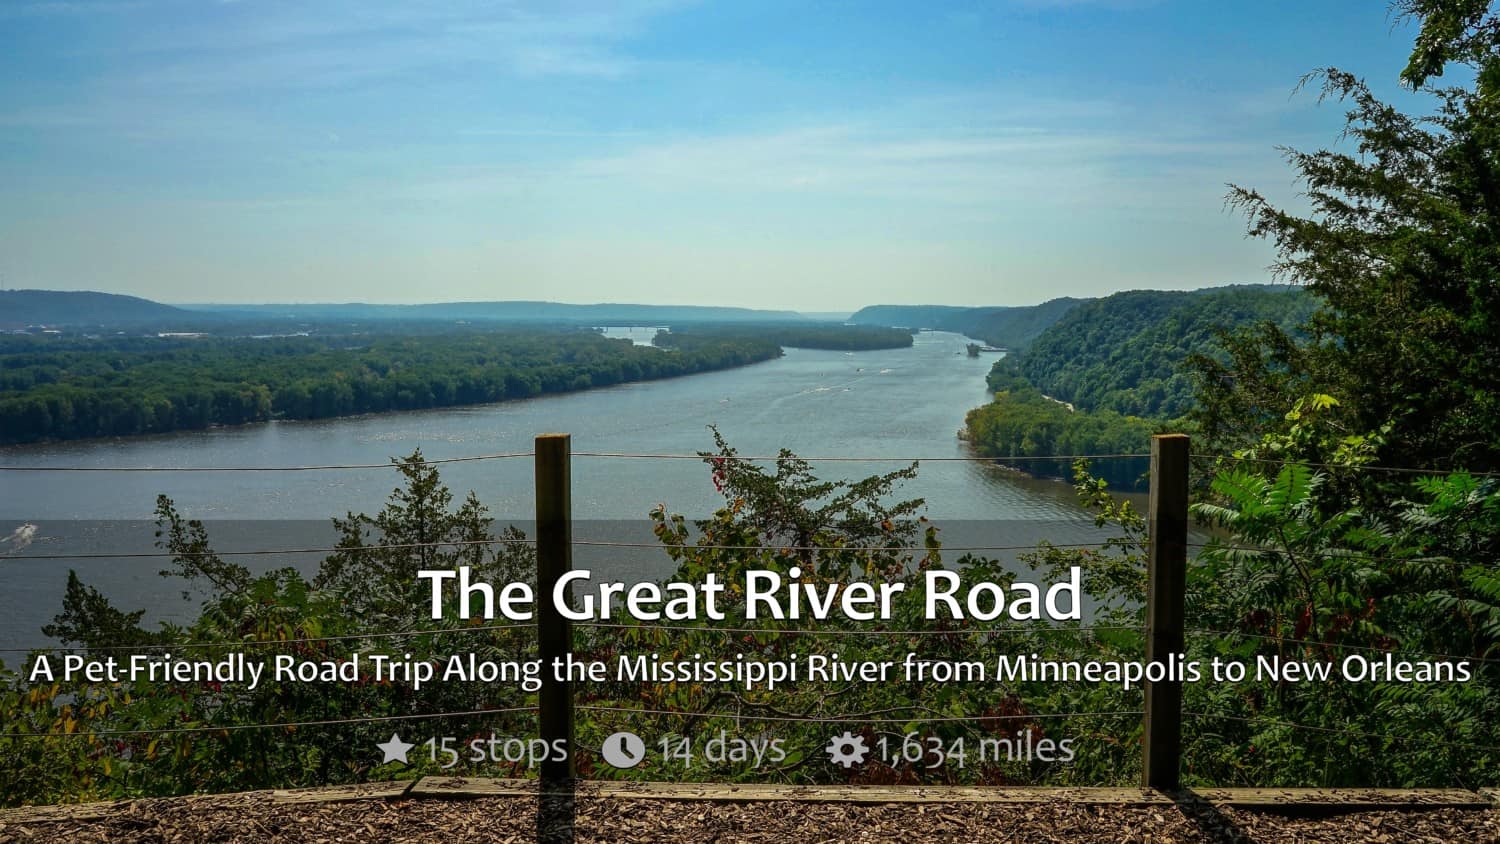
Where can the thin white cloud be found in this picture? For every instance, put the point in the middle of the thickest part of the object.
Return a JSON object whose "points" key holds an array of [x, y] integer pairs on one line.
{"points": [[1036, 167], [221, 162], [288, 46]]}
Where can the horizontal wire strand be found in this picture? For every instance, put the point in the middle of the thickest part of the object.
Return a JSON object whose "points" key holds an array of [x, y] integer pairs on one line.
{"points": [[1256, 719], [1335, 555], [483, 628], [313, 468], [850, 719], [841, 719], [801, 631], [596, 454], [847, 632], [102, 555], [1039, 545], [827, 548], [331, 722], [788, 458], [479, 628], [404, 546], [1199, 631], [1313, 464]]}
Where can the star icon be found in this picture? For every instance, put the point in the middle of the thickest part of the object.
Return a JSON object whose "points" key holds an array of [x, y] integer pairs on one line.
{"points": [[395, 749]]}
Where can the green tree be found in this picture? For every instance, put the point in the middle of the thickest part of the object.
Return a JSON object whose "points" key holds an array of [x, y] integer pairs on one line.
{"points": [[1403, 248], [90, 620], [363, 601]]}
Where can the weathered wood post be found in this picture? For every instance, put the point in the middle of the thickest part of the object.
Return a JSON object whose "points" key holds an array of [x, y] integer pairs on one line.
{"points": [[1166, 583], [554, 558]]}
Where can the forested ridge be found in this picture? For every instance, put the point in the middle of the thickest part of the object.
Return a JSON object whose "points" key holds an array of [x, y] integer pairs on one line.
{"points": [[1014, 328], [1007, 327], [1112, 371], [67, 388], [1023, 422], [1126, 352]]}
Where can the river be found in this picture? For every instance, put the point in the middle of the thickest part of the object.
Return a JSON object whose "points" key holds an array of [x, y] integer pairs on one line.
{"points": [[901, 402]]}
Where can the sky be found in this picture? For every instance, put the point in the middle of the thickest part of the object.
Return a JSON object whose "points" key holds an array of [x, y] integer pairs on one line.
{"points": [[817, 156]]}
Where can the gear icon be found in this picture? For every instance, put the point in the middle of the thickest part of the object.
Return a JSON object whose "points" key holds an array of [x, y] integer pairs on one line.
{"points": [[847, 750]]}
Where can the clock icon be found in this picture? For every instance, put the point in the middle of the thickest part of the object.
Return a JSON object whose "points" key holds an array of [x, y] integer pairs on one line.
{"points": [[624, 750]]}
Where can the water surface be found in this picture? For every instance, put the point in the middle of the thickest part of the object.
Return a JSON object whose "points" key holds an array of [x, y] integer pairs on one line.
{"points": [[890, 403]]}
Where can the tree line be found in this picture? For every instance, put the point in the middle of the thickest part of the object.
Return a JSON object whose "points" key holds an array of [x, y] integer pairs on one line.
{"points": [[1021, 421], [1115, 370], [1126, 352], [847, 338], [58, 389]]}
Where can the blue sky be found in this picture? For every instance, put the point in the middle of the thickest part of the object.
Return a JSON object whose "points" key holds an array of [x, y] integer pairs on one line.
{"points": [[817, 156]]}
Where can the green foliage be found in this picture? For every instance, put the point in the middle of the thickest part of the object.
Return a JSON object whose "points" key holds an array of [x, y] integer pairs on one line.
{"points": [[375, 569], [66, 388], [1401, 249], [1126, 352], [836, 531], [1452, 31], [1304, 577], [88, 619], [362, 602], [1321, 559], [1021, 422], [1317, 557], [1015, 328], [851, 531], [1319, 578]]}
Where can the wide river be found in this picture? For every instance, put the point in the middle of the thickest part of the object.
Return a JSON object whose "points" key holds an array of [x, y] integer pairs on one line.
{"points": [[906, 403]]}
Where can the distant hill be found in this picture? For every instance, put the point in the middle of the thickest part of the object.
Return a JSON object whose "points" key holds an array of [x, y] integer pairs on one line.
{"points": [[907, 316], [1125, 352], [524, 311], [1007, 327], [1014, 328], [83, 307]]}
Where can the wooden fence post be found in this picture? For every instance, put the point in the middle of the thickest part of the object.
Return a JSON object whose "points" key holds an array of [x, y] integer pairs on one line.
{"points": [[554, 558], [1166, 582]]}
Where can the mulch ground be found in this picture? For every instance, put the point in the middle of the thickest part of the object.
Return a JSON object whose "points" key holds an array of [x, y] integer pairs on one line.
{"points": [[256, 818]]}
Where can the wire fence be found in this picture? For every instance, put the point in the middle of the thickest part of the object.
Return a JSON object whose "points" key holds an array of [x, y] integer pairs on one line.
{"points": [[773, 549], [778, 458], [764, 712]]}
